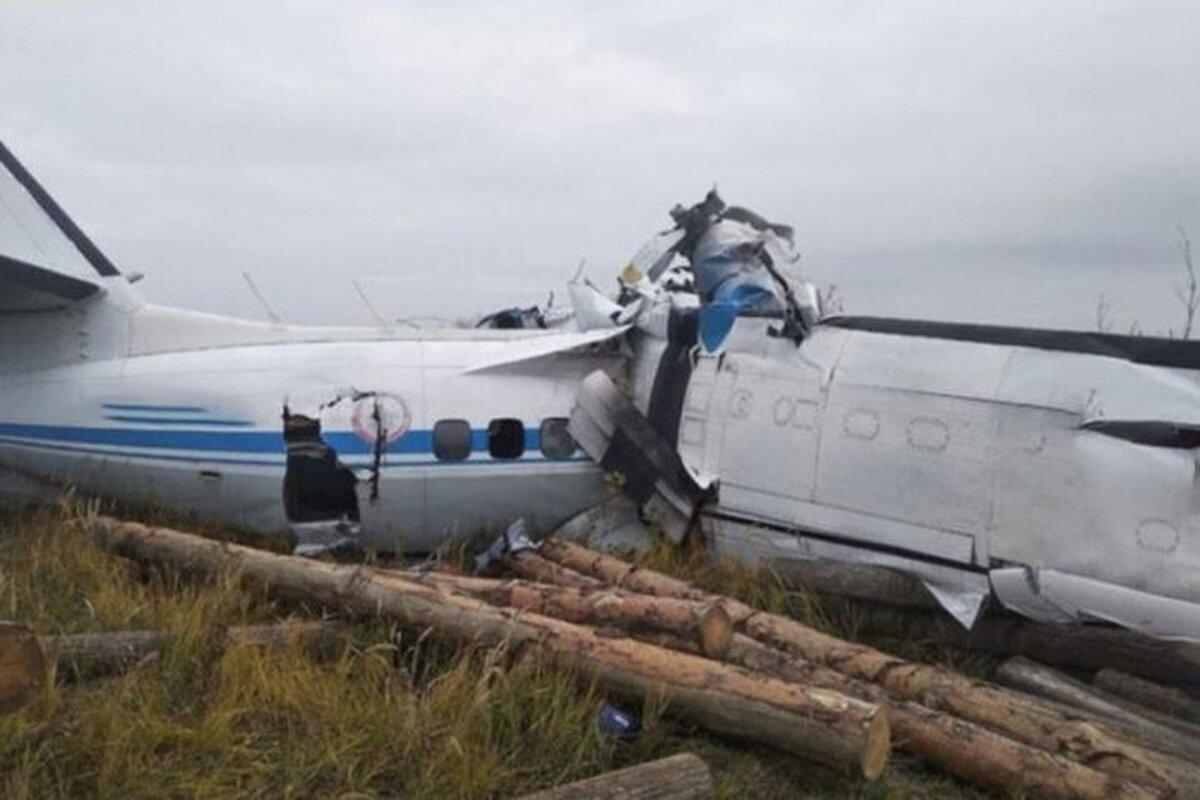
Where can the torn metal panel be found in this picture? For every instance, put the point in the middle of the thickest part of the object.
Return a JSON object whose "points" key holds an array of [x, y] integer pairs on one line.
{"points": [[515, 539], [736, 259], [962, 602], [615, 525], [757, 542], [620, 439], [1054, 596], [593, 310], [655, 255]]}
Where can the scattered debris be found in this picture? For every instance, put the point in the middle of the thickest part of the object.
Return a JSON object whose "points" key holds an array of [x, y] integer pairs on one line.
{"points": [[515, 539], [614, 525], [618, 723], [620, 439]]}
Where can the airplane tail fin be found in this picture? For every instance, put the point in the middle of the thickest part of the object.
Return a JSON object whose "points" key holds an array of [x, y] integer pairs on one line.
{"points": [[48, 268], [45, 259]]}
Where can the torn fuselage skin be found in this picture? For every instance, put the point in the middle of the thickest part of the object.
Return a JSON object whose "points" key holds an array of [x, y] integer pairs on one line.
{"points": [[965, 455], [322, 496], [319, 491]]}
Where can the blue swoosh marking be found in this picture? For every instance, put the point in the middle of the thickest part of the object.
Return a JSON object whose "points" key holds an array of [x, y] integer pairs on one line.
{"points": [[224, 423], [166, 409]]}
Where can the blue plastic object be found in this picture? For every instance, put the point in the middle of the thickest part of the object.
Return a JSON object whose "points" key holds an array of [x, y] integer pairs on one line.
{"points": [[718, 316], [618, 723]]}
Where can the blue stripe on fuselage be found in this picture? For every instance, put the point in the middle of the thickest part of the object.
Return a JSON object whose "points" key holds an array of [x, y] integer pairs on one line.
{"points": [[161, 421], [346, 443], [278, 462]]}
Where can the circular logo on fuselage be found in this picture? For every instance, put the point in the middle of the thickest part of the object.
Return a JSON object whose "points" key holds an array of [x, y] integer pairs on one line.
{"points": [[381, 412]]}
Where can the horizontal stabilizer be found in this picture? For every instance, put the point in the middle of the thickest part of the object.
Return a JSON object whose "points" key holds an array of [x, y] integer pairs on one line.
{"points": [[26, 287], [46, 261]]}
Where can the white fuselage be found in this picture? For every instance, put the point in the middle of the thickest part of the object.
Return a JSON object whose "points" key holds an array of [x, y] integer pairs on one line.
{"points": [[973, 465], [186, 411]]}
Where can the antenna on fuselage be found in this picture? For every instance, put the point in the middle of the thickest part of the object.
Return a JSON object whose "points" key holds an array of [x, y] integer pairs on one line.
{"points": [[383, 323], [262, 300]]}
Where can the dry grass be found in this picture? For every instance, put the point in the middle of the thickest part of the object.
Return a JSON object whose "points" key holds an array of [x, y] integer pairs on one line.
{"points": [[397, 713]]}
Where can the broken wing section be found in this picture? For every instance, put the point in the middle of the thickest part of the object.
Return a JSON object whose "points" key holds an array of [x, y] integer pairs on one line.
{"points": [[619, 438], [543, 346]]}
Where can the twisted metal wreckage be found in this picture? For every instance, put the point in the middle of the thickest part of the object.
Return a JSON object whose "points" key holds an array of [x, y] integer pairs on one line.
{"points": [[1053, 470]]}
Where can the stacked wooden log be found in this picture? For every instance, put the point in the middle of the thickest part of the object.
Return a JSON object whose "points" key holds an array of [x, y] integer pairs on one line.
{"points": [[729, 667], [897, 605], [26, 659], [982, 733], [679, 777]]}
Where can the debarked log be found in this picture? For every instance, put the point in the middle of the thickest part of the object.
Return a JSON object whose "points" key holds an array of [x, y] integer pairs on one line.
{"points": [[1029, 676], [866, 582], [88, 655], [1089, 647], [971, 752], [1079, 647], [707, 622], [1016, 716], [1163, 699], [531, 566], [841, 732], [679, 777]]}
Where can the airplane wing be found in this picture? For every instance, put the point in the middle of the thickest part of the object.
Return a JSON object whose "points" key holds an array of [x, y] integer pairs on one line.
{"points": [[46, 261], [548, 345]]}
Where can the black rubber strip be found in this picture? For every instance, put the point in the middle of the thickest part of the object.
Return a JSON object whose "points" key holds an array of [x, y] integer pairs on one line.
{"points": [[674, 371], [98, 260], [1152, 350], [834, 538]]}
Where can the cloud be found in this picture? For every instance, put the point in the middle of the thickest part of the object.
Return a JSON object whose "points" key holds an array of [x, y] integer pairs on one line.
{"points": [[970, 161]]}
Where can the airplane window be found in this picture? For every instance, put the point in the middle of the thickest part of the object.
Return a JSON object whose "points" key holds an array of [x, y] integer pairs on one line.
{"points": [[506, 438], [452, 439], [556, 441]]}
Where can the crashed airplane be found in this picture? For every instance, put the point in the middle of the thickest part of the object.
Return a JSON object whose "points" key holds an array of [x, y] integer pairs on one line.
{"points": [[1052, 470]]}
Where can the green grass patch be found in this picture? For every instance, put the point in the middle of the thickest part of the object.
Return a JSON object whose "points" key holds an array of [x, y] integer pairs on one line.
{"points": [[397, 712]]}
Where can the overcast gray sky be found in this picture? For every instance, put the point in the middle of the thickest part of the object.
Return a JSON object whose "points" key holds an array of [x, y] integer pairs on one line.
{"points": [[988, 161]]}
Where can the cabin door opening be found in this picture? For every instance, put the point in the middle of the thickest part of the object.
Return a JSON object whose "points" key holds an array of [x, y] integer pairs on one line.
{"points": [[319, 492]]}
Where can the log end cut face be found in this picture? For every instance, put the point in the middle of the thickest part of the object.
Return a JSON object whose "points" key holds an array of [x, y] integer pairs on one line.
{"points": [[878, 746], [22, 666]]}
